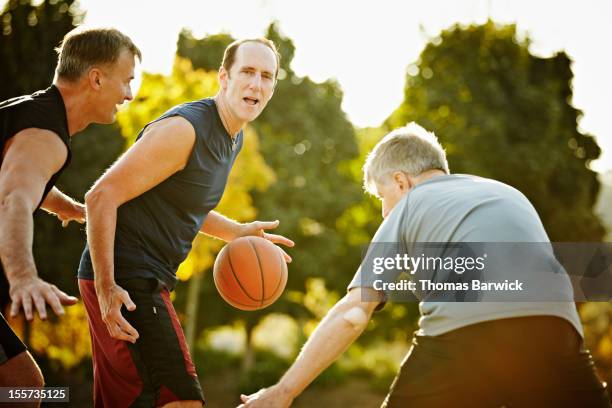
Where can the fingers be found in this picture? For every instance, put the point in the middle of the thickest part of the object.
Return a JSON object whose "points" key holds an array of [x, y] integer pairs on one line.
{"points": [[111, 302], [65, 222], [40, 304], [34, 297], [278, 239], [52, 297], [266, 224], [64, 299], [15, 306], [285, 255], [127, 301], [244, 398], [26, 303], [121, 330], [127, 331]]}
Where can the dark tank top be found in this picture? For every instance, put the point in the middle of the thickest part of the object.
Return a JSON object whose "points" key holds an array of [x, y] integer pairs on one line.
{"points": [[43, 110], [155, 230]]}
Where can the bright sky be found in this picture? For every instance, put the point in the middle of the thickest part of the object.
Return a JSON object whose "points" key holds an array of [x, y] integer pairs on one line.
{"points": [[358, 41]]}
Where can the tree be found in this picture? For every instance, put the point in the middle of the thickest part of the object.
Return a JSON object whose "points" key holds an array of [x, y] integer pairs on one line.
{"points": [[503, 113], [30, 34], [205, 53]]}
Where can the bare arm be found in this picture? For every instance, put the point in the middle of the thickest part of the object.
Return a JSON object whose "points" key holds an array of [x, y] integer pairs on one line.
{"points": [[219, 226], [64, 207], [30, 159], [163, 150], [340, 327]]}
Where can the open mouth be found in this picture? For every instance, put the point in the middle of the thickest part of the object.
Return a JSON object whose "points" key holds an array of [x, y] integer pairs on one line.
{"points": [[251, 101]]}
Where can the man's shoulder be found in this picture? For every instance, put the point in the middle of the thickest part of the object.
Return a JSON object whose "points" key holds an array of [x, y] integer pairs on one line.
{"points": [[196, 112], [461, 180], [41, 110], [44, 97], [205, 105]]}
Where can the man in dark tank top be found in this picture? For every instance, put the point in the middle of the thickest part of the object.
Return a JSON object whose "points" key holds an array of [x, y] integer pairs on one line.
{"points": [[92, 77], [142, 216]]}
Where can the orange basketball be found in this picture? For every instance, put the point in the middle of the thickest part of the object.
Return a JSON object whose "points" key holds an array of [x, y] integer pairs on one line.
{"points": [[250, 273]]}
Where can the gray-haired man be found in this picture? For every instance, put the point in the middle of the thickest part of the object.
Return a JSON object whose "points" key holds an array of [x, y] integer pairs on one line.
{"points": [[466, 354]]}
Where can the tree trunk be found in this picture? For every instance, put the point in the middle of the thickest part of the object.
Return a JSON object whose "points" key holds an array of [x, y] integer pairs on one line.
{"points": [[191, 310], [248, 358]]}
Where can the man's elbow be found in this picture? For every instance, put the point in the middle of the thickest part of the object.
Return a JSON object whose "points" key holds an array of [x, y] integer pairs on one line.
{"points": [[99, 197], [15, 201], [356, 317], [355, 313]]}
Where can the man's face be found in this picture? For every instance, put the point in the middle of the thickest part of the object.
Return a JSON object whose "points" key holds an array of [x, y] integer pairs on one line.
{"points": [[115, 86], [391, 191], [250, 83]]}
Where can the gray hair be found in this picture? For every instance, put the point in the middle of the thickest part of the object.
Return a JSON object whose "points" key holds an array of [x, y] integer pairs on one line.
{"points": [[410, 149], [83, 48]]}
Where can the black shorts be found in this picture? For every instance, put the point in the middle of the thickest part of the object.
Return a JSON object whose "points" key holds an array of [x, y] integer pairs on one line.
{"points": [[154, 371], [521, 362], [10, 345]]}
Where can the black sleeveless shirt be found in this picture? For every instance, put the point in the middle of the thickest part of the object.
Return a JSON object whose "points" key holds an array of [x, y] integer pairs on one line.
{"points": [[156, 229], [43, 109]]}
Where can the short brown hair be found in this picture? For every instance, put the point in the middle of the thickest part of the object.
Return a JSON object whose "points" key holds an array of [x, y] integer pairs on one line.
{"points": [[81, 49], [230, 52]]}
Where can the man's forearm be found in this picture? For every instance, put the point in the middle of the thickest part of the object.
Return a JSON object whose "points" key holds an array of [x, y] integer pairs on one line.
{"points": [[219, 226], [16, 227], [101, 227], [331, 338], [57, 202]]}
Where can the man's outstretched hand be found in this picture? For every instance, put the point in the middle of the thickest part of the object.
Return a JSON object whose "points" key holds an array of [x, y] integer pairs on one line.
{"points": [[32, 293], [272, 397], [258, 229]]}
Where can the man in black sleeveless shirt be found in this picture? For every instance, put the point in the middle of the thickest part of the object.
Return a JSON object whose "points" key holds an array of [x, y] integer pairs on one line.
{"points": [[93, 76], [142, 216]]}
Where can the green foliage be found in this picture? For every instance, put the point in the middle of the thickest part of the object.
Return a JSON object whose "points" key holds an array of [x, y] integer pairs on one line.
{"points": [[503, 113], [210, 361], [267, 369], [29, 35], [307, 139], [205, 53]]}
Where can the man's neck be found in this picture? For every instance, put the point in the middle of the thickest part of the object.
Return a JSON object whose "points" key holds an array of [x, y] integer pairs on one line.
{"points": [[232, 126], [427, 175], [77, 108]]}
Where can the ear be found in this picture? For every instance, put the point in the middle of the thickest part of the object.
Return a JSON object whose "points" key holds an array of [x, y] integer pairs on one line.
{"points": [[402, 181], [223, 77], [94, 77]]}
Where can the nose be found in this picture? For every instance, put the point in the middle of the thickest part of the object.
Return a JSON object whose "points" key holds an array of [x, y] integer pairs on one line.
{"points": [[256, 81], [128, 94]]}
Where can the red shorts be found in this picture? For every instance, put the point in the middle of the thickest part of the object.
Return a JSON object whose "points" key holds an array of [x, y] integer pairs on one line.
{"points": [[154, 371]]}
